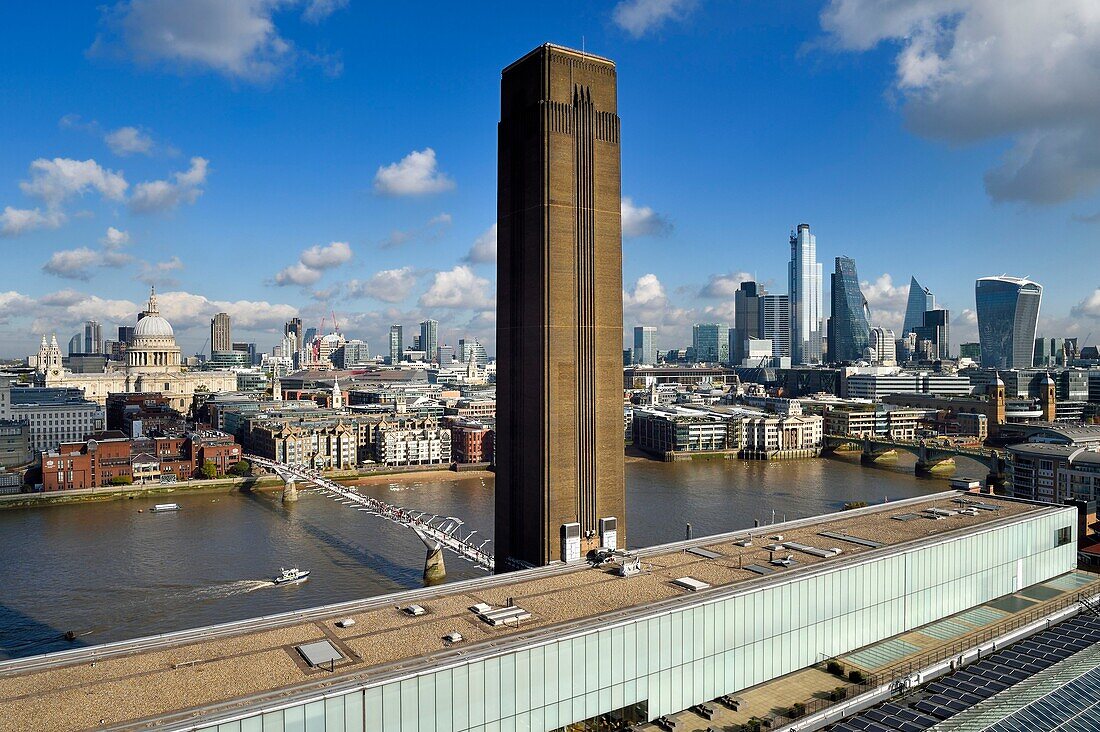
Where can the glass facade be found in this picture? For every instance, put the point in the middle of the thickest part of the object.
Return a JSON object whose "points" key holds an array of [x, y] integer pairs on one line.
{"points": [[397, 345], [672, 658], [1008, 310], [711, 342], [849, 330], [804, 276], [775, 323], [920, 301], [645, 345]]}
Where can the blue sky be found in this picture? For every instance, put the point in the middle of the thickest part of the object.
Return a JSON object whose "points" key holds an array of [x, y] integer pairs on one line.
{"points": [[309, 156]]}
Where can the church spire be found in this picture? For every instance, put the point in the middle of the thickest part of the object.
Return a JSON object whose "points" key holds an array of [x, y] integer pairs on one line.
{"points": [[151, 308]]}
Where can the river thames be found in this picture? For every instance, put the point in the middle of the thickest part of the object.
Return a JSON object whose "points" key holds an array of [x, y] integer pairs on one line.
{"points": [[106, 571]]}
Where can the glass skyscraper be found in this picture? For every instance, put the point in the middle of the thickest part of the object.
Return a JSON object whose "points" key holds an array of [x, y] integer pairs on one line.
{"points": [[397, 344], [1008, 310], [645, 345], [921, 300], [711, 342], [746, 320], [849, 333], [804, 275], [429, 338], [775, 323]]}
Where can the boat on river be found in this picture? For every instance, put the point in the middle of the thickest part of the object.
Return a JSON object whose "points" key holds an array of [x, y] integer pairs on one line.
{"points": [[290, 576]]}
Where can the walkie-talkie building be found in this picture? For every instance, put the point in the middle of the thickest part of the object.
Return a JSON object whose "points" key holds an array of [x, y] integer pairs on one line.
{"points": [[1008, 310]]}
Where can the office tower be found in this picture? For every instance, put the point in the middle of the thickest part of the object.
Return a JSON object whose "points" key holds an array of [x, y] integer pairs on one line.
{"points": [[1058, 351], [294, 328], [397, 343], [1008, 310], [935, 329], [645, 345], [125, 334], [883, 343], [849, 331], [1042, 352], [445, 355], [221, 339], [920, 301], [711, 342], [309, 336], [93, 337], [775, 323], [249, 348], [416, 344], [973, 351], [470, 348], [746, 320], [559, 310], [429, 338], [75, 345], [804, 275]]}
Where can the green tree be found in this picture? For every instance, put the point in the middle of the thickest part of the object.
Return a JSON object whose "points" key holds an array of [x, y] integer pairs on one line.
{"points": [[241, 469], [121, 480], [208, 470]]}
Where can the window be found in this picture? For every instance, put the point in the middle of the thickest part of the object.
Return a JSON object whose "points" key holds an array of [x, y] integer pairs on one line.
{"points": [[1063, 536]]}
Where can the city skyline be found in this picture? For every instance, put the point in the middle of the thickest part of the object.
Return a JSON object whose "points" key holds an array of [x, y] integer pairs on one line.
{"points": [[401, 230]]}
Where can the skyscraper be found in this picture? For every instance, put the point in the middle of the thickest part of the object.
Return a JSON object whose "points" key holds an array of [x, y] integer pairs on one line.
{"points": [[711, 342], [294, 328], [920, 301], [645, 344], [471, 348], [804, 274], [1008, 310], [746, 319], [429, 338], [935, 330], [75, 345], [93, 337], [775, 323], [220, 337], [559, 310], [882, 342], [397, 343], [849, 332]]}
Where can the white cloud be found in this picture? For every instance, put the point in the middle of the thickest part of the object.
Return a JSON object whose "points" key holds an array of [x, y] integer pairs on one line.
{"points": [[16, 221], [74, 264], [647, 302], [297, 274], [887, 302], [53, 181], [115, 238], [162, 195], [724, 286], [642, 220], [1089, 307], [157, 273], [318, 10], [415, 174], [975, 70], [326, 257], [128, 141], [388, 285], [484, 250], [13, 303], [638, 17], [459, 289]]}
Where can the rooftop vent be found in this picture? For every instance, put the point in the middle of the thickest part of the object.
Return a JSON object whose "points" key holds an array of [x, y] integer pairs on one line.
{"points": [[906, 516], [452, 637], [345, 623], [509, 615], [320, 653], [704, 553], [690, 583], [850, 539], [813, 550], [414, 610]]}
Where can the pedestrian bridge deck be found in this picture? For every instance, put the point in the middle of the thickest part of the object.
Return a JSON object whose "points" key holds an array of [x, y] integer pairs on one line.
{"points": [[219, 668]]}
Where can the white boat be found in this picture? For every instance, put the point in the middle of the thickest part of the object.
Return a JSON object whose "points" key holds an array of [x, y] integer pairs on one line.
{"points": [[291, 576], [165, 507]]}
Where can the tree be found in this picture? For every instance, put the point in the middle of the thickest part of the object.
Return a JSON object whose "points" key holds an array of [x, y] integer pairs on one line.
{"points": [[121, 480], [241, 469], [208, 470]]}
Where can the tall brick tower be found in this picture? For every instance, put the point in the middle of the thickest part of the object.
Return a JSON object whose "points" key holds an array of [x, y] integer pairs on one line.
{"points": [[559, 431]]}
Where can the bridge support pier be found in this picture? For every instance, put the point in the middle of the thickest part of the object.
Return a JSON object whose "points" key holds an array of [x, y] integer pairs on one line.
{"points": [[434, 569], [873, 458], [938, 467], [290, 492]]}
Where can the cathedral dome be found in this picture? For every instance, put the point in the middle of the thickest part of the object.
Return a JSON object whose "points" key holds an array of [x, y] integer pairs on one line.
{"points": [[153, 325]]}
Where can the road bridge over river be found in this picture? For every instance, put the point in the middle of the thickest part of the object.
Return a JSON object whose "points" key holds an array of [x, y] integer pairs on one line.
{"points": [[930, 454]]}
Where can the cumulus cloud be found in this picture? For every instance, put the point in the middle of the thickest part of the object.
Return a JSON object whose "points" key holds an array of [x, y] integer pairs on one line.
{"points": [[16, 221], [326, 257], [388, 285], [724, 286], [886, 301], [642, 220], [73, 264], [312, 264], [115, 238], [158, 273], [163, 195], [415, 174], [484, 250], [459, 289], [54, 181], [129, 141], [975, 70], [1089, 307], [237, 39], [639, 17], [647, 301]]}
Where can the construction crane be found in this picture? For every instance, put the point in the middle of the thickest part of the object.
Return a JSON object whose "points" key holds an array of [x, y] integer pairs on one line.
{"points": [[335, 325]]}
